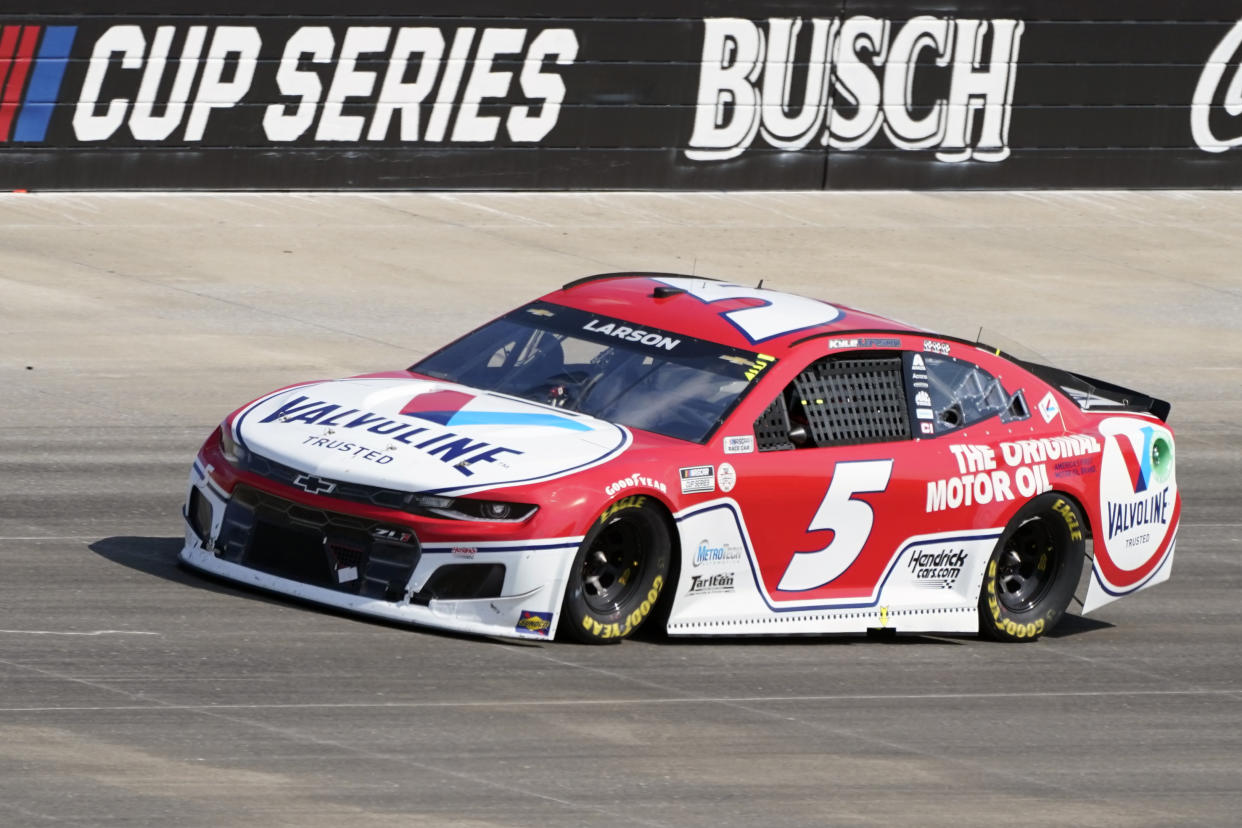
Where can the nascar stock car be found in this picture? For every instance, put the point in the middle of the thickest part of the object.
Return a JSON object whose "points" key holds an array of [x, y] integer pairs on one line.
{"points": [[710, 458]]}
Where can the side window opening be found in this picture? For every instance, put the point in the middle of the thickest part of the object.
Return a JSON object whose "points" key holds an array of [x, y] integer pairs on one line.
{"points": [[949, 393], [837, 401]]}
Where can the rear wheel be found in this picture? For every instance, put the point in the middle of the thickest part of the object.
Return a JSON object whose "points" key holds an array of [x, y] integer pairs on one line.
{"points": [[1033, 571], [619, 573]]}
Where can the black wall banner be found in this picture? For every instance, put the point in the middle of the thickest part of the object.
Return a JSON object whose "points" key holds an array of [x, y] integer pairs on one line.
{"points": [[712, 94]]}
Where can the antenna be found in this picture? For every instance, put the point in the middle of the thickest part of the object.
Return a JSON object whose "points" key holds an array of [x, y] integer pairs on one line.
{"points": [[694, 268], [760, 285]]}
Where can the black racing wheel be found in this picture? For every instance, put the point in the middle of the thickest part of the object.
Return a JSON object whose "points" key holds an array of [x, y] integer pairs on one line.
{"points": [[619, 573], [1033, 571]]}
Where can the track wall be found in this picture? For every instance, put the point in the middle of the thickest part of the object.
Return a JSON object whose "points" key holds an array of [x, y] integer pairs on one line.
{"points": [[713, 94]]}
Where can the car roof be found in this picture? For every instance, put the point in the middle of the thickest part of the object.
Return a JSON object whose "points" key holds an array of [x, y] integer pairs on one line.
{"points": [[709, 309]]}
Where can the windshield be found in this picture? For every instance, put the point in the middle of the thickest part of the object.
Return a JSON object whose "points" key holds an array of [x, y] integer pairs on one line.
{"points": [[647, 378]]}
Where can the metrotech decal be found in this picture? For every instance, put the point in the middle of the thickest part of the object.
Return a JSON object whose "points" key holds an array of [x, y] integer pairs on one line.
{"points": [[929, 83], [32, 65], [280, 83]]}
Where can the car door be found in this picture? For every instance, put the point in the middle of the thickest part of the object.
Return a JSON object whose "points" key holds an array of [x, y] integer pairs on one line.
{"points": [[869, 457], [828, 488]]}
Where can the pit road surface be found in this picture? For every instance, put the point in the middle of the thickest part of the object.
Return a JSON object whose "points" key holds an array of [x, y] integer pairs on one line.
{"points": [[134, 693]]}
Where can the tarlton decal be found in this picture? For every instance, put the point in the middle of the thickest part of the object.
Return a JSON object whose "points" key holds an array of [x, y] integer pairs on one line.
{"points": [[741, 444], [536, 623], [635, 480], [177, 77], [705, 584], [696, 479], [982, 481], [857, 75]]}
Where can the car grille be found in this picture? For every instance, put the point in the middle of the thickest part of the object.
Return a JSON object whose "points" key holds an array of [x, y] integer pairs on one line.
{"points": [[316, 546], [358, 493]]}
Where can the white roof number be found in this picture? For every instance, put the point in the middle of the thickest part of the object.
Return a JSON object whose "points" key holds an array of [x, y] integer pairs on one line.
{"points": [[781, 313]]}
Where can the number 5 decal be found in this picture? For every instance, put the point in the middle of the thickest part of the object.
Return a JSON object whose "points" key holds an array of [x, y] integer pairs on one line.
{"points": [[780, 313], [850, 521]]}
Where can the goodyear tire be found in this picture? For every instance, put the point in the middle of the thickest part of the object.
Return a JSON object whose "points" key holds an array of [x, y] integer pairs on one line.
{"points": [[1033, 571], [619, 574]]}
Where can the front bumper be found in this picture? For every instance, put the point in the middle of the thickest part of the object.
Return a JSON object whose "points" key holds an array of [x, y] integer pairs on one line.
{"points": [[258, 539]]}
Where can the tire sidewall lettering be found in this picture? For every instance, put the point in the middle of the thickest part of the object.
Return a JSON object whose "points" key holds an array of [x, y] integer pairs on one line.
{"points": [[998, 620]]}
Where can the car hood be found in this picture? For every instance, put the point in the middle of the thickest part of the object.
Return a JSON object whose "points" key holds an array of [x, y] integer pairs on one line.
{"points": [[422, 436]]}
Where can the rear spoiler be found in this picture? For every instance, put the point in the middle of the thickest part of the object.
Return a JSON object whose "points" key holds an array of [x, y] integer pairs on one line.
{"points": [[1092, 394]]}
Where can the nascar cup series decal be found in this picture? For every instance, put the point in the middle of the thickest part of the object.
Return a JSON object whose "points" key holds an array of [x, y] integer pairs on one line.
{"points": [[1139, 503], [416, 435]]}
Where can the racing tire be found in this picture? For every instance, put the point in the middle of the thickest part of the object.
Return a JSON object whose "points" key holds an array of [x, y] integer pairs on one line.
{"points": [[619, 573], [1033, 571]]}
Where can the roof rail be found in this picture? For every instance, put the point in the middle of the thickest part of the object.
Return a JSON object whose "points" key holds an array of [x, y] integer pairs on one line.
{"points": [[632, 274]]}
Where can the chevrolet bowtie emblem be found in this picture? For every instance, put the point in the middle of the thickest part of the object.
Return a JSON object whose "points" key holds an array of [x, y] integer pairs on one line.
{"points": [[314, 485]]}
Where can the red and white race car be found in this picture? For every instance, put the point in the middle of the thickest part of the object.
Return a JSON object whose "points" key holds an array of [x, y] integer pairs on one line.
{"points": [[717, 459]]}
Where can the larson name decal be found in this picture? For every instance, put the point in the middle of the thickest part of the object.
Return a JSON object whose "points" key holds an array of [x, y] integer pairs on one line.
{"points": [[629, 334]]}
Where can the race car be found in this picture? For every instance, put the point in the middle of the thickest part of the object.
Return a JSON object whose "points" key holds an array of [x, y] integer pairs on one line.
{"points": [[698, 456]]}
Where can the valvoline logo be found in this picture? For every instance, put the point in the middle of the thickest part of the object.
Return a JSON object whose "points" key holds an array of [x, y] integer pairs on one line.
{"points": [[1138, 466], [446, 409], [32, 66]]}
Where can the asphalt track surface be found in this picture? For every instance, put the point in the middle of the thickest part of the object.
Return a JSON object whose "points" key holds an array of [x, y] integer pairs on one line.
{"points": [[136, 694]]}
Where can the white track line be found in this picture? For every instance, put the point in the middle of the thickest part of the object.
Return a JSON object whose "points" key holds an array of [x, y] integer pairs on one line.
{"points": [[670, 700]]}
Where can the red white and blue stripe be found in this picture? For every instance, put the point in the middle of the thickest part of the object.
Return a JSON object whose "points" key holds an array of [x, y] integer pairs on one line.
{"points": [[32, 66]]}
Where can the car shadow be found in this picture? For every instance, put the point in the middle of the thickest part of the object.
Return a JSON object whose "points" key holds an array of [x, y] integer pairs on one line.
{"points": [[1076, 624], [884, 636], [158, 557]]}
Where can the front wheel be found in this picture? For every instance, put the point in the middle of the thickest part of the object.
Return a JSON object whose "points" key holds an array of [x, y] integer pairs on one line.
{"points": [[619, 573], [1033, 571]]}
